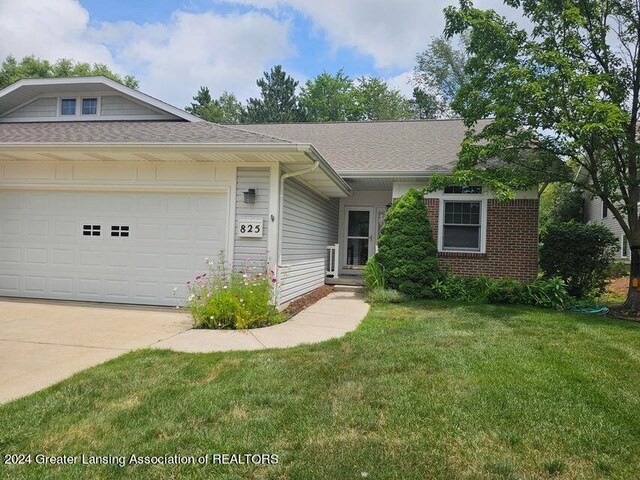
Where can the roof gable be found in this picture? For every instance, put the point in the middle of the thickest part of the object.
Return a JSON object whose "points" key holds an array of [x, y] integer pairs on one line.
{"points": [[39, 99]]}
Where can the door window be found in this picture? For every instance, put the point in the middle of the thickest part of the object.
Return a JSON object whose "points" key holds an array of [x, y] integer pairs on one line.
{"points": [[358, 237]]}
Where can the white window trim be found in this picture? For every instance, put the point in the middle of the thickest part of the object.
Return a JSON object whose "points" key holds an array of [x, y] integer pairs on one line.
{"points": [[462, 197], [60, 99], [98, 102], [622, 242]]}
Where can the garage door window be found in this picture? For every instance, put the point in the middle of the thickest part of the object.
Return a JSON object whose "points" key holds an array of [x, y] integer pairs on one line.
{"points": [[91, 230], [120, 230]]}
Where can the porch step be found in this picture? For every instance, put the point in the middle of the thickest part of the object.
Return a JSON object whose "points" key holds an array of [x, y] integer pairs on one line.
{"points": [[355, 281], [348, 288]]}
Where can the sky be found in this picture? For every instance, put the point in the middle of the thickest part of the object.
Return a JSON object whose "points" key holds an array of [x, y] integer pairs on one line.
{"points": [[174, 46]]}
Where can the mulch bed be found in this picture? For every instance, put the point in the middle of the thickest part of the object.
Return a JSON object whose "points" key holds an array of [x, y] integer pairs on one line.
{"points": [[305, 301]]}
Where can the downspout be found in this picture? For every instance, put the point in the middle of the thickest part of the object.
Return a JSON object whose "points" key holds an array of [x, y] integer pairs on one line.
{"points": [[284, 177]]}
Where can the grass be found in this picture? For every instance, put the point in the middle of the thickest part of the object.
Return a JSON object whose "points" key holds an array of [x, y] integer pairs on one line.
{"points": [[420, 390]]}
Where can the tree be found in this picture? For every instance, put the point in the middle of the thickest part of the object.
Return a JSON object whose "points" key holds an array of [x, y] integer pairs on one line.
{"points": [[205, 107], [407, 251], [565, 90], [560, 203], [376, 101], [426, 105], [580, 254], [232, 109], [329, 98], [226, 109], [439, 74], [13, 70], [278, 102]]}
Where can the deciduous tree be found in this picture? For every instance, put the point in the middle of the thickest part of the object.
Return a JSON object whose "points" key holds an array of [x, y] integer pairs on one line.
{"points": [[564, 89], [13, 70]]}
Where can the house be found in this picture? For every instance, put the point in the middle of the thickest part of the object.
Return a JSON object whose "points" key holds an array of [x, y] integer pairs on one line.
{"points": [[596, 211], [110, 195]]}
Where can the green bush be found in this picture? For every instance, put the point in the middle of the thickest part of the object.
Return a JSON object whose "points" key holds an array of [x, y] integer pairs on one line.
{"points": [[579, 254], [617, 270], [560, 203], [385, 295], [373, 275], [228, 299], [550, 293], [506, 291], [452, 287], [406, 248]]}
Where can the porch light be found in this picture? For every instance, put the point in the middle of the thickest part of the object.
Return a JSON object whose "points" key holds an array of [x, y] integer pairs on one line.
{"points": [[250, 196]]}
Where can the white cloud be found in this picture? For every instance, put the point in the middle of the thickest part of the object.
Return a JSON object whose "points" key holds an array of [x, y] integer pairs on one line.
{"points": [[171, 59], [225, 52], [391, 32], [402, 82], [221, 52], [50, 29]]}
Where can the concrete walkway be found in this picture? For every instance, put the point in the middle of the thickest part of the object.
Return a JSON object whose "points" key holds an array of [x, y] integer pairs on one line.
{"points": [[44, 342], [331, 317]]}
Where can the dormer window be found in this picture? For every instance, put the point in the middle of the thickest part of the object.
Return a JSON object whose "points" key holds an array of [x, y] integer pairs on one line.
{"points": [[89, 106], [68, 106]]}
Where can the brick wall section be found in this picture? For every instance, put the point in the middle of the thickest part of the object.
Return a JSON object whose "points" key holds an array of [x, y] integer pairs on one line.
{"points": [[512, 242]]}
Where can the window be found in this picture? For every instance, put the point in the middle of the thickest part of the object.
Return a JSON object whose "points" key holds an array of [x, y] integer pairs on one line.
{"points": [[605, 210], [461, 227], [89, 106], [624, 247], [68, 106], [119, 230], [91, 230], [470, 190]]}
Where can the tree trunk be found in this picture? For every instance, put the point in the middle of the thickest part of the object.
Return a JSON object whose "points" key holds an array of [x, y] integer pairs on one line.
{"points": [[633, 296]]}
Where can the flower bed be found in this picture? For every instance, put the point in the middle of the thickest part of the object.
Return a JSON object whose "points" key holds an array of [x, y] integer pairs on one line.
{"points": [[224, 298]]}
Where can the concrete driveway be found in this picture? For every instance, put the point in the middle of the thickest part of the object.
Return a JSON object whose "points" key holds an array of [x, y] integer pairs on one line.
{"points": [[43, 342]]}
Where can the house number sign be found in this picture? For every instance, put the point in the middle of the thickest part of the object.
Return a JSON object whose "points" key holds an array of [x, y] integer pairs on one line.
{"points": [[250, 227]]}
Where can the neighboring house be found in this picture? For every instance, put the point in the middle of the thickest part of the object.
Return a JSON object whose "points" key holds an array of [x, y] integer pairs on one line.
{"points": [[596, 211], [110, 195]]}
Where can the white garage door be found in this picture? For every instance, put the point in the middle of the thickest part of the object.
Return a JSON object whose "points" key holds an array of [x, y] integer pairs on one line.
{"points": [[125, 247]]}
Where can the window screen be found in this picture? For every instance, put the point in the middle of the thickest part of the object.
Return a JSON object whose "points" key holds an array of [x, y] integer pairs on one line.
{"points": [[461, 226], [68, 106], [89, 106]]}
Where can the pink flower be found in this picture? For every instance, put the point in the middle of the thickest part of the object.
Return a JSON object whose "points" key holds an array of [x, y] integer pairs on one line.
{"points": [[198, 277], [274, 280]]}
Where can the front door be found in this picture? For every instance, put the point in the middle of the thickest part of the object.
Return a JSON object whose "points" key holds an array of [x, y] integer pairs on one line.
{"points": [[359, 236]]}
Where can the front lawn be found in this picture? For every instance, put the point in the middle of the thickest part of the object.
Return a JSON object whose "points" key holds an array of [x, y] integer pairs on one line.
{"points": [[420, 390]]}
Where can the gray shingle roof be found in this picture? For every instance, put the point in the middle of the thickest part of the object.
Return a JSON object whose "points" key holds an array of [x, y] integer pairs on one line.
{"points": [[403, 146], [128, 132]]}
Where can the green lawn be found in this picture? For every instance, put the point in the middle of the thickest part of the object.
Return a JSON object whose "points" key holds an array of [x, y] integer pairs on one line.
{"points": [[421, 390]]}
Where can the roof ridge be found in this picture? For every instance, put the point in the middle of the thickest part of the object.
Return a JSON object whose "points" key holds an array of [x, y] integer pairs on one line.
{"points": [[362, 122], [235, 127]]}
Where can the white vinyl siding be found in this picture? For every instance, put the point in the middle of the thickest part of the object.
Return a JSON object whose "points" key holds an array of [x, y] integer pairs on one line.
{"points": [[310, 223], [117, 106], [253, 249], [593, 209], [40, 108]]}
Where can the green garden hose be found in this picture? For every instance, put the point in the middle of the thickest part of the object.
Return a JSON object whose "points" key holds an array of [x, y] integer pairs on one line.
{"points": [[591, 310]]}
